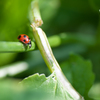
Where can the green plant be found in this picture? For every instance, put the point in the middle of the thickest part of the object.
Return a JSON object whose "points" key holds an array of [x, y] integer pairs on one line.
{"points": [[55, 86]]}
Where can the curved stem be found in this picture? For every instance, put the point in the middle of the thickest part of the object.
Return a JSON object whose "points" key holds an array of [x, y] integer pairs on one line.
{"points": [[47, 54]]}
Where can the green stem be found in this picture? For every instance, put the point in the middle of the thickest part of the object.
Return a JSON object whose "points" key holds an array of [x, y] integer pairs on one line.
{"points": [[54, 41], [15, 47], [46, 52], [34, 14]]}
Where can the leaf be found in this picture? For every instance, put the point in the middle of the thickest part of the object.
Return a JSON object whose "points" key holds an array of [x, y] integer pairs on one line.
{"points": [[48, 84], [50, 87], [79, 73], [12, 91]]}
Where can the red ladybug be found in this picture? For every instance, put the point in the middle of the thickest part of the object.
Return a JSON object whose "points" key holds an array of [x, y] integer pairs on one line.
{"points": [[25, 39]]}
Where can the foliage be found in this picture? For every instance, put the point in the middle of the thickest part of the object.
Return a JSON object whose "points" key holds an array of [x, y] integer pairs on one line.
{"points": [[72, 27], [76, 66], [40, 85], [11, 91]]}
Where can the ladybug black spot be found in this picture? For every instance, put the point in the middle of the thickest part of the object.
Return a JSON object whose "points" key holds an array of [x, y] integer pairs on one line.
{"points": [[19, 36], [24, 36], [24, 40]]}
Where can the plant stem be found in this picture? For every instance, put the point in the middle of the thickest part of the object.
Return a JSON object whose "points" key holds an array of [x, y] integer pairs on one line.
{"points": [[54, 41], [15, 47], [47, 54], [34, 14]]}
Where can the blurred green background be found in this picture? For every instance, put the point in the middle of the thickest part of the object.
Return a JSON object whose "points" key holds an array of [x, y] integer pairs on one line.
{"points": [[76, 19]]}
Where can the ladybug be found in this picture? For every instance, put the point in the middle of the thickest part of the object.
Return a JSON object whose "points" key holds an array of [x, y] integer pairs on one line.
{"points": [[25, 39]]}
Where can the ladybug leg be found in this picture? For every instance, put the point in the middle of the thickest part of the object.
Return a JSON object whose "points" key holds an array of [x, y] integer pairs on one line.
{"points": [[25, 46], [30, 44]]}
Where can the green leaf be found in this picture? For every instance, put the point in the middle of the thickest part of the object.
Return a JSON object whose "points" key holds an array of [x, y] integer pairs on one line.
{"points": [[12, 91], [79, 73], [48, 84]]}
